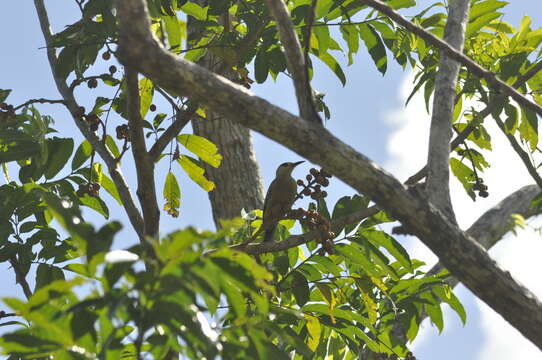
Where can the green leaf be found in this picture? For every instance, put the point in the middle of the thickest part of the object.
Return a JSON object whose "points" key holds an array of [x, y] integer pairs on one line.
{"points": [[146, 91], [332, 63], [195, 173], [346, 206], [46, 274], [59, 151], [485, 7], [300, 289], [95, 204], [4, 93], [172, 194], [444, 292], [380, 238], [528, 128], [111, 188], [195, 10], [374, 44], [112, 146], [400, 4], [82, 154], [464, 174], [174, 31], [203, 148]]}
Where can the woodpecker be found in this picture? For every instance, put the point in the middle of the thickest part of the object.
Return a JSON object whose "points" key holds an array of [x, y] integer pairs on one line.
{"points": [[279, 198]]}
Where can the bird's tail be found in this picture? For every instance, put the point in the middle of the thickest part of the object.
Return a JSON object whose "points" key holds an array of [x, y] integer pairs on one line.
{"points": [[270, 233]]}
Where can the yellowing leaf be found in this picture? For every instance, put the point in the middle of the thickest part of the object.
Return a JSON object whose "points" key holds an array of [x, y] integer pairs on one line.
{"points": [[329, 297], [314, 330], [146, 90], [196, 173], [203, 148], [172, 194]]}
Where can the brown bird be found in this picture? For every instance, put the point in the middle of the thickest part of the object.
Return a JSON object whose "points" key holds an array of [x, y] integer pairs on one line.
{"points": [[279, 198]]}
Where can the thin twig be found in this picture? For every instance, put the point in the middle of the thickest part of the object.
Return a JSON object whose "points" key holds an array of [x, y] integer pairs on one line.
{"points": [[478, 119], [40, 101], [471, 65], [182, 117]]}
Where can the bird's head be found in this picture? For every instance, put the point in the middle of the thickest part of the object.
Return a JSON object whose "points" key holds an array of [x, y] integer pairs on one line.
{"points": [[287, 168]]}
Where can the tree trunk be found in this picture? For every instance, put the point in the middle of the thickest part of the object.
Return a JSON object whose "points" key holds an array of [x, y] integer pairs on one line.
{"points": [[237, 179]]}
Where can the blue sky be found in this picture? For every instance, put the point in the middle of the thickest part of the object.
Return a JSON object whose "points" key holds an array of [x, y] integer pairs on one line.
{"points": [[367, 113]]}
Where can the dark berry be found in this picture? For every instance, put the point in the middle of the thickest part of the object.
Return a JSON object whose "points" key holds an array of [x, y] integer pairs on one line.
{"points": [[152, 107], [300, 182], [314, 172], [80, 112], [483, 194], [92, 83], [106, 55], [112, 69]]}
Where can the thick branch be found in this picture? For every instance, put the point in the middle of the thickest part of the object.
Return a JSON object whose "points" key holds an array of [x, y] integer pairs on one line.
{"points": [[146, 189], [458, 252], [297, 63], [497, 221], [471, 65], [72, 106], [438, 163]]}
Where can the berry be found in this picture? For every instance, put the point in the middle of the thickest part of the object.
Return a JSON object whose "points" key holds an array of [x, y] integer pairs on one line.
{"points": [[112, 69], [152, 107], [92, 83], [106, 55], [80, 112], [300, 182], [483, 194], [314, 172]]}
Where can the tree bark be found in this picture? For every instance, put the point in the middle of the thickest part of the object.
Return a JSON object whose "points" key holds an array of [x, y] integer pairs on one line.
{"points": [[237, 179], [438, 159]]}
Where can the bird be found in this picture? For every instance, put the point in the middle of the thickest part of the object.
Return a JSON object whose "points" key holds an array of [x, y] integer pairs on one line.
{"points": [[279, 198]]}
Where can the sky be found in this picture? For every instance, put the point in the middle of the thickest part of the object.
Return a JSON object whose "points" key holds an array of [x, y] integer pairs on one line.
{"points": [[369, 114]]}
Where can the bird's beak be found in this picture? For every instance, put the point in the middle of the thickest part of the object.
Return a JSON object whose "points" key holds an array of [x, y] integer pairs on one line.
{"points": [[299, 162]]}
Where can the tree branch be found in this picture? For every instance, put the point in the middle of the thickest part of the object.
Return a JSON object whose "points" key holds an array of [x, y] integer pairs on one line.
{"points": [[72, 106], [458, 252], [470, 64], [182, 117], [146, 189], [438, 163], [491, 227], [297, 63], [479, 118]]}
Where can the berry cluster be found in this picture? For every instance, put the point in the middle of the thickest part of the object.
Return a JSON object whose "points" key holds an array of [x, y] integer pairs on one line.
{"points": [[92, 188], [106, 56], [6, 111], [122, 132], [315, 181], [314, 221], [481, 188], [94, 121]]}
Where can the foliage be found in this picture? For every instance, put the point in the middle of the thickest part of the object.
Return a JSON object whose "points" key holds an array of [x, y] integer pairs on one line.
{"points": [[190, 293]]}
